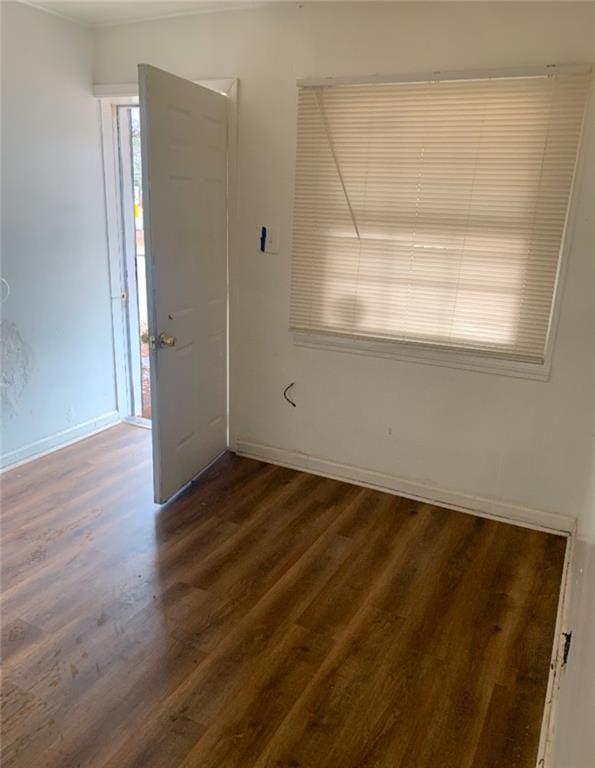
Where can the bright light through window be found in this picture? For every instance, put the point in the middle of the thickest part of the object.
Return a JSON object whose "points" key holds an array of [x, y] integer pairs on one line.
{"points": [[434, 212]]}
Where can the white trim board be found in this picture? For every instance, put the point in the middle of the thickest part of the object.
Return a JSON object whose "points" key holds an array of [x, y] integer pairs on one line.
{"points": [[425, 354], [413, 489], [448, 75], [116, 250], [138, 421], [552, 697], [58, 440], [130, 90]]}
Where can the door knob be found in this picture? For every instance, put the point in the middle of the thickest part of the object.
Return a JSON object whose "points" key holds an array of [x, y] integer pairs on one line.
{"points": [[165, 340]]}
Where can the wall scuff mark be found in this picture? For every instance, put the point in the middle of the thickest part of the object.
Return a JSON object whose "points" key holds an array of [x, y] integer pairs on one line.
{"points": [[15, 366]]}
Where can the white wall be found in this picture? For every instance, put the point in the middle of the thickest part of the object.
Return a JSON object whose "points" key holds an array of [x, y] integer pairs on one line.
{"points": [[527, 443], [57, 374]]}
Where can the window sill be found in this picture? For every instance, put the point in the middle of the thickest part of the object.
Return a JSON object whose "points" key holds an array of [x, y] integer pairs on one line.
{"points": [[416, 353]]}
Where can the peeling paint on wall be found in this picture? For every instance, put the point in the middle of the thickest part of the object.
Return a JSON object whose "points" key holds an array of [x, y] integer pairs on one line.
{"points": [[15, 367]]}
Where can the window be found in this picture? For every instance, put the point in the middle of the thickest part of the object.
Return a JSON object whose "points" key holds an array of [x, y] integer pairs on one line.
{"points": [[432, 213]]}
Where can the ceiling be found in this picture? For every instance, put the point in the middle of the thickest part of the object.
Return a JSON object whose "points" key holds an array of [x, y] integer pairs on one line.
{"points": [[97, 13]]}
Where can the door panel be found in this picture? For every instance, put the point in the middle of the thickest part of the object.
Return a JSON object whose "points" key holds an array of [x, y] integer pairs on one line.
{"points": [[184, 147]]}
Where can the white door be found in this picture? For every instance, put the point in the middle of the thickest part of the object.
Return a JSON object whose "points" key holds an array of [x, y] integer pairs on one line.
{"points": [[184, 157]]}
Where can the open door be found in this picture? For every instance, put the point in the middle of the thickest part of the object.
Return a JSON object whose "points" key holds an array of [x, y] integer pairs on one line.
{"points": [[184, 155]]}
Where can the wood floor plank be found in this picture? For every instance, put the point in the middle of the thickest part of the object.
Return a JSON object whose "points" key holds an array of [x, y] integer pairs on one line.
{"points": [[265, 618]]}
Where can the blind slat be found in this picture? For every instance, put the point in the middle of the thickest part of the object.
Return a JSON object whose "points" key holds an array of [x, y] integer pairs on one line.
{"points": [[434, 212]]}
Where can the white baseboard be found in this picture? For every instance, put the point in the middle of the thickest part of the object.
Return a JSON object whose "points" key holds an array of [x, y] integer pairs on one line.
{"points": [[58, 440], [138, 421], [412, 489]]}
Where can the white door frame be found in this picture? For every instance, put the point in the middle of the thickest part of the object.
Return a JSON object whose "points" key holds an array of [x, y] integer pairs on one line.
{"points": [[130, 297], [110, 98]]}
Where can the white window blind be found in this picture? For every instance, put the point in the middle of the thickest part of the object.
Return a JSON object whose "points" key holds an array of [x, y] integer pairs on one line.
{"points": [[433, 212]]}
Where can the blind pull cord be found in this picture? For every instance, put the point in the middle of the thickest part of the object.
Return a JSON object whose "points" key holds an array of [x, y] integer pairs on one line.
{"points": [[336, 160]]}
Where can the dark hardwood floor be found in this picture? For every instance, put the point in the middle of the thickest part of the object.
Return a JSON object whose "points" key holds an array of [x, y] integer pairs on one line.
{"points": [[267, 618]]}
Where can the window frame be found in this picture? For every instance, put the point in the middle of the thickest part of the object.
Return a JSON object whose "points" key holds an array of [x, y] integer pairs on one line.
{"points": [[450, 356]]}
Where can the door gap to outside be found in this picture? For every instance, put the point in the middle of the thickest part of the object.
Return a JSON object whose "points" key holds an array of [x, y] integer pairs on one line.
{"points": [[134, 269]]}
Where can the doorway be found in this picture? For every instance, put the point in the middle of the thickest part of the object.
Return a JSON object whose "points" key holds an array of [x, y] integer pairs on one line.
{"points": [[171, 182], [134, 297]]}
